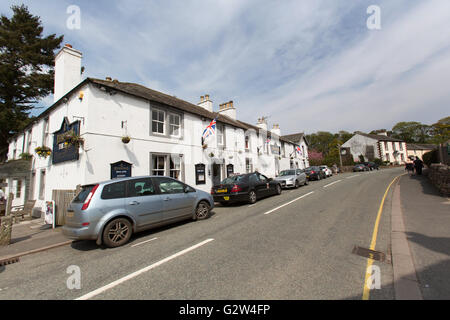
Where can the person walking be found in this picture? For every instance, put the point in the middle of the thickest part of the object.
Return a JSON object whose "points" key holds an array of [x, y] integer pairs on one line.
{"points": [[418, 165]]}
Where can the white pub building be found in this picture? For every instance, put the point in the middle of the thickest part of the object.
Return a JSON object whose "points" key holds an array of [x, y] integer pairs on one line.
{"points": [[97, 130]]}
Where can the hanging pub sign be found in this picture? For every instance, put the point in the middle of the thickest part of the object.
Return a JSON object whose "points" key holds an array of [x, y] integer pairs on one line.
{"points": [[120, 169], [230, 170], [200, 176], [63, 148], [275, 149]]}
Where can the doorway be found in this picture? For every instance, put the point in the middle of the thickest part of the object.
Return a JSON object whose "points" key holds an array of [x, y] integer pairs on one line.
{"points": [[216, 173]]}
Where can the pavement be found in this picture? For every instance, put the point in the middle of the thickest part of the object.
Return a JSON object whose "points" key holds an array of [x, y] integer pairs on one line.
{"points": [[427, 229], [33, 236]]}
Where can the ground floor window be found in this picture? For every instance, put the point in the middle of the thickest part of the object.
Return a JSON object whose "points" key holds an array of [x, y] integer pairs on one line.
{"points": [[18, 188], [248, 165], [42, 185], [166, 165]]}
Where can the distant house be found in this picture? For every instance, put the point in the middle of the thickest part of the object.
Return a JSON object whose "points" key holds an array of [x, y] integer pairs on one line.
{"points": [[418, 150], [372, 146]]}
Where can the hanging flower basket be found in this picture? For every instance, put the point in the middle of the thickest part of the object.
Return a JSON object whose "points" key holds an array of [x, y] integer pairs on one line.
{"points": [[73, 139], [211, 155], [126, 139], [43, 151], [205, 146]]}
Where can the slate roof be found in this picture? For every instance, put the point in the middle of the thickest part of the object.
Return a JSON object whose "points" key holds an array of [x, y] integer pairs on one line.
{"points": [[420, 146], [141, 91], [379, 137], [295, 137]]}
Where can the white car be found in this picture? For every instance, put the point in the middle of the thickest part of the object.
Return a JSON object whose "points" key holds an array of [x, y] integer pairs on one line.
{"points": [[327, 171]]}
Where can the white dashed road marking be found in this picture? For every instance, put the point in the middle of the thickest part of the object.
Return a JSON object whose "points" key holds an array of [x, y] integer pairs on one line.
{"points": [[270, 211], [141, 271], [137, 244], [332, 183]]}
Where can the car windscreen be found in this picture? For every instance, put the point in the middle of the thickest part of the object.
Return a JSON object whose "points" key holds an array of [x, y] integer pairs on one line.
{"points": [[287, 173], [81, 197], [234, 179]]}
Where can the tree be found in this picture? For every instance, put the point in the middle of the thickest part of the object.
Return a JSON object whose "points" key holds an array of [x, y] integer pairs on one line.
{"points": [[26, 70], [411, 132], [319, 141], [441, 131]]}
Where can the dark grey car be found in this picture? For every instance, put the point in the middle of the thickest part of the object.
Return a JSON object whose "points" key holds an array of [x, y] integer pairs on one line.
{"points": [[292, 178], [111, 211]]}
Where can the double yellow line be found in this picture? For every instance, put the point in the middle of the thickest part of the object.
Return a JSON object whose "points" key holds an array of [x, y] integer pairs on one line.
{"points": [[366, 290]]}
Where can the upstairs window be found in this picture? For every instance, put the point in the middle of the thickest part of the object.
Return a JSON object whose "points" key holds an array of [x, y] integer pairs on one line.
{"points": [[174, 125], [158, 118], [220, 135]]}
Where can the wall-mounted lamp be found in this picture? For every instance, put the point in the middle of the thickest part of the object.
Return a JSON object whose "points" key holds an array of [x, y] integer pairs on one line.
{"points": [[81, 95]]}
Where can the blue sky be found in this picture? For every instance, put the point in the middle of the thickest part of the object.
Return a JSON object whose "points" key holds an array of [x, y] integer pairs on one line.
{"points": [[307, 65]]}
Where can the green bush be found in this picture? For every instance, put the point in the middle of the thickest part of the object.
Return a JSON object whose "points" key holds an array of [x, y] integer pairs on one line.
{"points": [[430, 157], [378, 161]]}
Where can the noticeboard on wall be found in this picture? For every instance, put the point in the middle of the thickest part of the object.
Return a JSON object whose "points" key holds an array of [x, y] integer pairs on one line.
{"points": [[200, 174], [230, 170], [120, 169]]}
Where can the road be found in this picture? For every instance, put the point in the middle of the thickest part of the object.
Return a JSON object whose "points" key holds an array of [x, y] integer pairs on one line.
{"points": [[297, 245]]}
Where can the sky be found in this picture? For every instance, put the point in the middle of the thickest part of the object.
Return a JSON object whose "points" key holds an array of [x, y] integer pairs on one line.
{"points": [[307, 65]]}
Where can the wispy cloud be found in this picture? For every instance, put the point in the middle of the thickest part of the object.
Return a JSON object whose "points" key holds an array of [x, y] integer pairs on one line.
{"points": [[309, 65]]}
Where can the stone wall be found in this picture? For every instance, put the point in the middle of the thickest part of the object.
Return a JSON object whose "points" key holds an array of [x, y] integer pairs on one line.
{"points": [[439, 174], [5, 230]]}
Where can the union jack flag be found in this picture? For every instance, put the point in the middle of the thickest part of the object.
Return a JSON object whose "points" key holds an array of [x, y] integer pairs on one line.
{"points": [[299, 151], [268, 140], [210, 129]]}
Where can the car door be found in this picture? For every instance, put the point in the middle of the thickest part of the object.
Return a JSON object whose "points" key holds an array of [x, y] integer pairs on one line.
{"points": [[300, 176], [266, 187], [176, 202], [143, 202]]}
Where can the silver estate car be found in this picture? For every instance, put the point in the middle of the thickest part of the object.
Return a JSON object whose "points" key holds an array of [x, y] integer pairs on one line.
{"points": [[292, 178], [109, 212]]}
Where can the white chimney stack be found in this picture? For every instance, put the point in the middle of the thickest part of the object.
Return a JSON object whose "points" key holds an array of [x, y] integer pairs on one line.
{"points": [[276, 129], [205, 103], [67, 71], [262, 123], [227, 109]]}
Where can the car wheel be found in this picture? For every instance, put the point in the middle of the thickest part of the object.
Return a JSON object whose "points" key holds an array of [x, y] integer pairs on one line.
{"points": [[306, 182], [252, 197], [117, 232], [202, 211], [296, 184], [279, 189]]}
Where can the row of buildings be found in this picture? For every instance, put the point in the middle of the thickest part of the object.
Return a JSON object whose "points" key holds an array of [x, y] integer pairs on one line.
{"points": [[101, 129]]}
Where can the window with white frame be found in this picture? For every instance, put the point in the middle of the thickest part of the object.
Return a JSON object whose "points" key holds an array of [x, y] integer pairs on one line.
{"points": [[175, 167], [174, 125], [29, 141], [158, 120], [220, 136], [45, 133], [158, 165], [248, 165], [42, 185], [247, 142], [18, 188]]}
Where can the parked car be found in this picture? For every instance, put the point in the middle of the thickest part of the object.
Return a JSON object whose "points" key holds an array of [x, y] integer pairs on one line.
{"points": [[111, 211], [314, 173], [360, 167], [328, 172], [372, 165], [245, 187], [292, 178]]}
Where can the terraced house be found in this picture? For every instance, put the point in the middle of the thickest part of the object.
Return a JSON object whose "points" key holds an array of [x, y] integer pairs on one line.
{"points": [[101, 129]]}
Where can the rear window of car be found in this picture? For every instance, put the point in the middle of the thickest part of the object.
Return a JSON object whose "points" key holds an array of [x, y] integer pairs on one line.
{"points": [[233, 179], [81, 197], [113, 191]]}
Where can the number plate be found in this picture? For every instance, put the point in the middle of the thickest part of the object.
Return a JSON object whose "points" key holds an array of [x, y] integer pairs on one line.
{"points": [[69, 214], [226, 198], [222, 190]]}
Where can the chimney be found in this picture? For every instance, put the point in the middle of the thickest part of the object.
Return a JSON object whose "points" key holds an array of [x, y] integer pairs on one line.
{"points": [[227, 109], [276, 129], [67, 71], [262, 123], [205, 103]]}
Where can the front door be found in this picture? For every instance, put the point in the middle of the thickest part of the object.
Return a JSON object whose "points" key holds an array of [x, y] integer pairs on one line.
{"points": [[216, 176]]}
